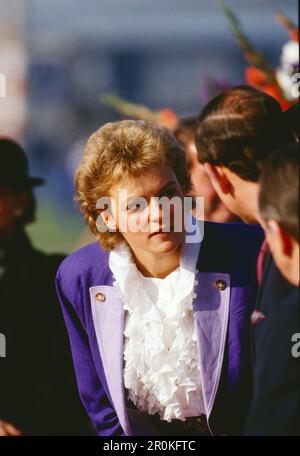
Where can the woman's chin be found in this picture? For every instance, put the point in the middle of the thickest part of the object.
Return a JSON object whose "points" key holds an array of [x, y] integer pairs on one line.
{"points": [[166, 243]]}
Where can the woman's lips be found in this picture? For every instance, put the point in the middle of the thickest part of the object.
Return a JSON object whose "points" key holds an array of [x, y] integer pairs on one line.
{"points": [[161, 232]]}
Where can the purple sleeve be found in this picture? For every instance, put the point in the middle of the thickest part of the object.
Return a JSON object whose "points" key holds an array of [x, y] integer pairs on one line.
{"points": [[93, 396]]}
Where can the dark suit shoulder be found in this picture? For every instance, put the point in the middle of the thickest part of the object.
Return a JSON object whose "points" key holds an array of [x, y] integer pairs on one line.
{"points": [[233, 232], [230, 246], [275, 406]]}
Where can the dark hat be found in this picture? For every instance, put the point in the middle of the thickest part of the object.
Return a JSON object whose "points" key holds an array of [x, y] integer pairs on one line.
{"points": [[14, 167]]}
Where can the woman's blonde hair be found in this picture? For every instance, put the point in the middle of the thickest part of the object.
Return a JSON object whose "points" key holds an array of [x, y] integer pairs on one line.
{"points": [[119, 150]]}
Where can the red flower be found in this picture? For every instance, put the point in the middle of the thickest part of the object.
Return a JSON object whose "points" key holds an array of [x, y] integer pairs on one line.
{"points": [[273, 91], [294, 35], [255, 77], [258, 79]]}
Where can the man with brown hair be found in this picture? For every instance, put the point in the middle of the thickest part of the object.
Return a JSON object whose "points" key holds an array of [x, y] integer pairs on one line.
{"points": [[275, 408], [238, 131], [278, 205], [214, 209]]}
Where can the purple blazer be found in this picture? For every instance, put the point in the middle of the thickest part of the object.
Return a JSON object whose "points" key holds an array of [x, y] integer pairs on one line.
{"points": [[229, 253]]}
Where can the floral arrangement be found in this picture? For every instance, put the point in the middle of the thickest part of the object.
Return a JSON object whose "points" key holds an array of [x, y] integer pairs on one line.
{"points": [[259, 73], [289, 61], [164, 116]]}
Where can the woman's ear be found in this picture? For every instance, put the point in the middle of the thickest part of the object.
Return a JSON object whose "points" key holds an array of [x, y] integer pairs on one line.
{"points": [[107, 221]]}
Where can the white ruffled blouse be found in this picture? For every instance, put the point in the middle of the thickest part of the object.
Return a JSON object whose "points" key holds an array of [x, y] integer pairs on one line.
{"points": [[161, 369]]}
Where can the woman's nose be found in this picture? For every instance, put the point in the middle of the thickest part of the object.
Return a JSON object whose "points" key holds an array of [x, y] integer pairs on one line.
{"points": [[161, 215], [155, 210]]}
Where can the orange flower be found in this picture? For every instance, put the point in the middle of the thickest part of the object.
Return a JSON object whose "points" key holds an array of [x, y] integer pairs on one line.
{"points": [[294, 35], [168, 118], [288, 25], [274, 92], [255, 77]]}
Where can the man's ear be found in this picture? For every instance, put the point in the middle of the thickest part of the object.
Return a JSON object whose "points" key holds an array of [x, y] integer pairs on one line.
{"points": [[218, 178], [282, 241]]}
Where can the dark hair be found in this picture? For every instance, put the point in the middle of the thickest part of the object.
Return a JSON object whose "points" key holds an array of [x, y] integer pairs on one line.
{"points": [[239, 128], [186, 129], [279, 192], [292, 116]]}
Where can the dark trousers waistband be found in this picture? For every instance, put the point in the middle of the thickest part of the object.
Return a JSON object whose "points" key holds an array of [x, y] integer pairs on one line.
{"points": [[196, 425]]}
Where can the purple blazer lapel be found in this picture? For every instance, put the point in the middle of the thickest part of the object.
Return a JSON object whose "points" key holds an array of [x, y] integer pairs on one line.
{"points": [[108, 317], [211, 310]]}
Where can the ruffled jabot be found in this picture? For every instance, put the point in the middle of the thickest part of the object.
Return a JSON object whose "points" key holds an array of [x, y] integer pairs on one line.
{"points": [[161, 369]]}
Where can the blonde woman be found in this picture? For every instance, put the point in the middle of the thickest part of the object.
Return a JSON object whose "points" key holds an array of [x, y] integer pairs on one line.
{"points": [[158, 321]]}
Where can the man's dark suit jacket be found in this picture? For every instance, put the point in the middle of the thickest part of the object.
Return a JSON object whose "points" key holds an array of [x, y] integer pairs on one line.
{"points": [[38, 391], [275, 408]]}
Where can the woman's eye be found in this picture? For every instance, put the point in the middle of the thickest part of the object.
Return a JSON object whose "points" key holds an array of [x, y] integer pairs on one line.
{"points": [[134, 207]]}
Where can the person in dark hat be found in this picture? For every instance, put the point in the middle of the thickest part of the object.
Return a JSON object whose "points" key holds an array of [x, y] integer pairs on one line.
{"points": [[37, 385], [17, 200]]}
